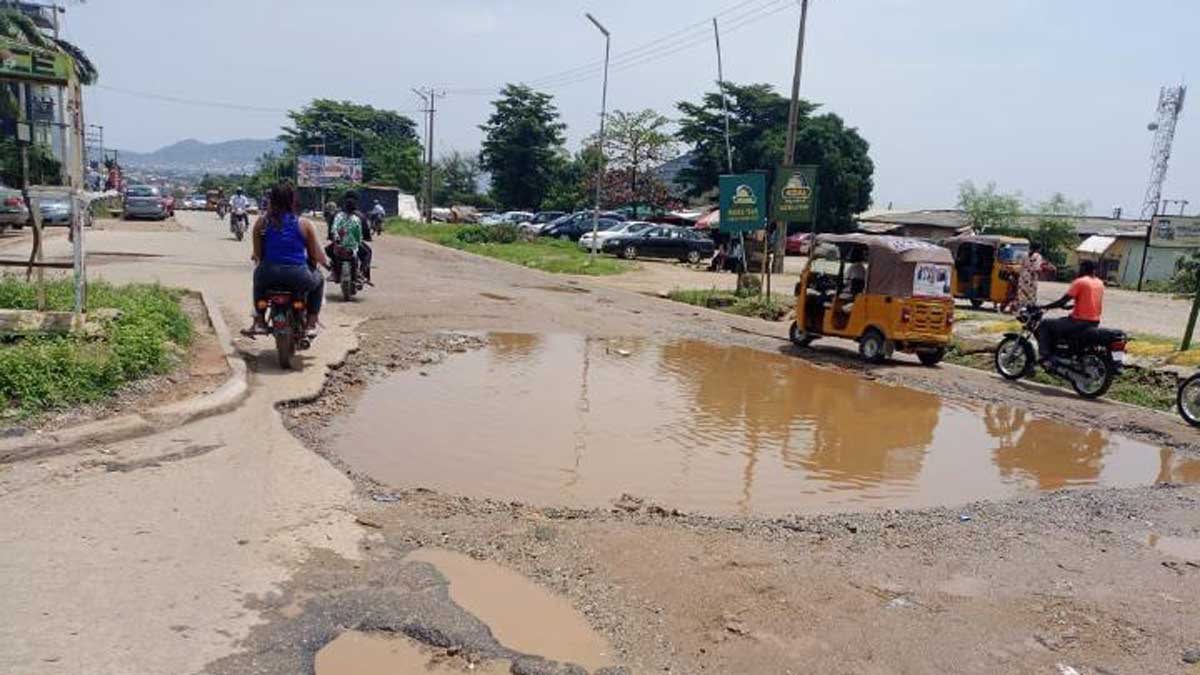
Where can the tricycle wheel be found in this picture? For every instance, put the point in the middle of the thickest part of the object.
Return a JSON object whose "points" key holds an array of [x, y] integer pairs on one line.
{"points": [[976, 303], [799, 336], [873, 346], [931, 357], [1188, 400]]}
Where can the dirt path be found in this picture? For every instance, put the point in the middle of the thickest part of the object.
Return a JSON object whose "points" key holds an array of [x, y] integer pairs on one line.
{"points": [[230, 547]]}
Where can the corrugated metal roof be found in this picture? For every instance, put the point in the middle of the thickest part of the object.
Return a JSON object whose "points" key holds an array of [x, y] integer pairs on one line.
{"points": [[954, 219], [1096, 244]]}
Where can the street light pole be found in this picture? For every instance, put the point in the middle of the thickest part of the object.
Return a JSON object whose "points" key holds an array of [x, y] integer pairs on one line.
{"points": [[600, 144]]}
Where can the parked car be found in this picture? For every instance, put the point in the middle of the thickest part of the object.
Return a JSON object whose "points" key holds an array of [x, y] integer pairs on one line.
{"points": [[55, 210], [661, 242], [13, 211], [143, 201], [572, 227], [798, 243], [196, 202], [513, 217], [616, 229]]}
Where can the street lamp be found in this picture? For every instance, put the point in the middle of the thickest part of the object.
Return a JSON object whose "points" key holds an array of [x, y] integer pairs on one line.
{"points": [[600, 145]]}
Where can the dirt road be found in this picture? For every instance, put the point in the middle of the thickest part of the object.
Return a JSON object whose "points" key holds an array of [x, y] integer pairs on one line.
{"points": [[232, 545]]}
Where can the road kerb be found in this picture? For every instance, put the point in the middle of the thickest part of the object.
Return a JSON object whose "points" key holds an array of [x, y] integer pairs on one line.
{"points": [[125, 427]]}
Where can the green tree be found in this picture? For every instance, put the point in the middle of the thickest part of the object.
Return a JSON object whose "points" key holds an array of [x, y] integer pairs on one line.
{"points": [[634, 143], [386, 140], [522, 140], [988, 209], [758, 134], [456, 179]]}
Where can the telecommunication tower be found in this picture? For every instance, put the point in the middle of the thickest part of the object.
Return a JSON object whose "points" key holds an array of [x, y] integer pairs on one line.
{"points": [[1170, 106]]}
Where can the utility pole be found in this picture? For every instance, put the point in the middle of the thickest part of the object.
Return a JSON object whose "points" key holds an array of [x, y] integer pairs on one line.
{"points": [[429, 96], [789, 151], [724, 105], [600, 145]]}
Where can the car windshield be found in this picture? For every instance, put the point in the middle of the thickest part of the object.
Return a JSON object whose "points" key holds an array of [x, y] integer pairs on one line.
{"points": [[634, 228], [142, 191]]}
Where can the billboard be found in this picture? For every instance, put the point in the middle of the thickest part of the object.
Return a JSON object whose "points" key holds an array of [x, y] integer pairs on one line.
{"points": [[1175, 231], [23, 62], [793, 194], [327, 171], [743, 202]]}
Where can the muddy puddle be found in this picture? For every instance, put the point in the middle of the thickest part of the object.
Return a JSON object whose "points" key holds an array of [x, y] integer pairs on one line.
{"points": [[355, 653], [569, 420]]}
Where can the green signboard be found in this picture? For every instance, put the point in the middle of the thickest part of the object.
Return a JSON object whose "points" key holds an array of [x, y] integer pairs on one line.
{"points": [[793, 194], [743, 202], [19, 61]]}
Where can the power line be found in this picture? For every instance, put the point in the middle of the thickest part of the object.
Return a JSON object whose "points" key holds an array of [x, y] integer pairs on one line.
{"points": [[628, 60], [188, 101]]}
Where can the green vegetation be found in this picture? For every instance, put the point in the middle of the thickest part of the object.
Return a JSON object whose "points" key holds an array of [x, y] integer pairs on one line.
{"points": [[44, 373], [746, 304], [549, 255]]}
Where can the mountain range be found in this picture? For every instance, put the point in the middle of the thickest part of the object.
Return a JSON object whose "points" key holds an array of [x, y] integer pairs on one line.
{"points": [[234, 156]]}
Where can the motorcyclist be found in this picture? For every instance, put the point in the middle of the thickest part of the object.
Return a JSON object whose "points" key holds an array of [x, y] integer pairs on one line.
{"points": [[1087, 292], [287, 252], [348, 231], [239, 201], [329, 211], [378, 211]]}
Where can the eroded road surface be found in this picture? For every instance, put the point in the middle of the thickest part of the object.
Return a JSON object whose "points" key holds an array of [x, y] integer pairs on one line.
{"points": [[517, 472]]}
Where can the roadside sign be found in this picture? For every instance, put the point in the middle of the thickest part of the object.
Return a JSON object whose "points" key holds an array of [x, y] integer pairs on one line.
{"points": [[1175, 231], [743, 202], [23, 62], [327, 171], [793, 194]]}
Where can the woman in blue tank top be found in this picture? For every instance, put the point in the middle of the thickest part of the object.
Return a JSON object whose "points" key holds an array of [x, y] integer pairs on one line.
{"points": [[287, 252]]}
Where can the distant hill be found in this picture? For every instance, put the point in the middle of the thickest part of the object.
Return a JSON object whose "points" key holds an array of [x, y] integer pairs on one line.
{"points": [[224, 157]]}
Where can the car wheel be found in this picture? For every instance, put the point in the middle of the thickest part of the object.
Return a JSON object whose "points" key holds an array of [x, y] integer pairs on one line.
{"points": [[629, 252], [693, 257]]}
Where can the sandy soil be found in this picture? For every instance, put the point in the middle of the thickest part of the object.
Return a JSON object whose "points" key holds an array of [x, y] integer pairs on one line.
{"points": [[1062, 580]]}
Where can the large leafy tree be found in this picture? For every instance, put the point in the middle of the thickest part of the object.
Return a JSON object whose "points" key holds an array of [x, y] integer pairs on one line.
{"points": [[758, 134], [456, 179], [522, 141], [386, 140], [987, 208], [634, 143]]}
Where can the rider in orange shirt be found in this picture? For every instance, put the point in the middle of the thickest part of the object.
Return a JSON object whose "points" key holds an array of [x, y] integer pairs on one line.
{"points": [[1087, 292]]}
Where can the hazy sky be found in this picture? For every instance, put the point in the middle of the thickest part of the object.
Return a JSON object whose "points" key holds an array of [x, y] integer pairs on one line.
{"points": [[1037, 95]]}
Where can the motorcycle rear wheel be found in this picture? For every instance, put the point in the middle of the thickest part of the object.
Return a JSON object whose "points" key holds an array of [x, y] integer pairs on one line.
{"points": [[1100, 372], [285, 348], [346, 276]]}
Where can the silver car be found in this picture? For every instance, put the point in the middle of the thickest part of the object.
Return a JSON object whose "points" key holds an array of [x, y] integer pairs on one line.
{"points": [[143, 201], [13, 211]]}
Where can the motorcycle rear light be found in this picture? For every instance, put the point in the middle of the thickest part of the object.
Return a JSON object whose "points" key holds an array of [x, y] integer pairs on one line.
{"points": [[298, 304], [280, 299], [949, 318], [1117, 346], [261, 304], [905, 315]]}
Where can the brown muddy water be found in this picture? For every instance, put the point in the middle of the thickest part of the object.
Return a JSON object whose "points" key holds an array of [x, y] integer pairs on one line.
{"points": [[355, 653], [569, 420]]}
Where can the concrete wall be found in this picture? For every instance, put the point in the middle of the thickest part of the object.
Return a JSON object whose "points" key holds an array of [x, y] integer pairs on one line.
{"points": [[1160, 262]]}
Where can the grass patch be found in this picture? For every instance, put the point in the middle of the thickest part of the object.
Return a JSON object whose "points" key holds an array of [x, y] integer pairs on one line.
{"points": [[1137, 386], [548, 255], [771, 309], [39, 374]]}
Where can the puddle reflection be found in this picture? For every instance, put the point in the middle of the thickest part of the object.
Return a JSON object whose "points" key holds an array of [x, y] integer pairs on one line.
{"points": [[555, 419]]}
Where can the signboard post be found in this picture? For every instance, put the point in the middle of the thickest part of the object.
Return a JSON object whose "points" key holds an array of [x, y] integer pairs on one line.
{"points": [[743, 209], [324, 171]]}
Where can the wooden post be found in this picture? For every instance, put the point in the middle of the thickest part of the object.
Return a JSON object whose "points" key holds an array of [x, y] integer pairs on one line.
{"points": [[77, 220], [1191, 324]]}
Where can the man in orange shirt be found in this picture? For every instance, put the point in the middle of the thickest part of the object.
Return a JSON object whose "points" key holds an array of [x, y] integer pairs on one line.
{"points": [[1088, 294]]}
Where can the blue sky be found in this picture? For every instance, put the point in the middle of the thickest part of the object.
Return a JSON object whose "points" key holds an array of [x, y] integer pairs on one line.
{"points": [[1038, 96]]}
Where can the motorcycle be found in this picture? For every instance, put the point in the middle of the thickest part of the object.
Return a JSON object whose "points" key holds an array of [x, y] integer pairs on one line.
{"points": [[376, 224], [1089, 360], [220, 212], [286, 316], [345, 271], [239, 222], [1187, 400]]}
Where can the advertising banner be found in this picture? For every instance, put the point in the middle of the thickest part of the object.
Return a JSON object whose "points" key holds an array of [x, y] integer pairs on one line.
{"points": [[793, 194], [931, 280], [1175, 232], [326, 171], [743, 202], [21, 61]]}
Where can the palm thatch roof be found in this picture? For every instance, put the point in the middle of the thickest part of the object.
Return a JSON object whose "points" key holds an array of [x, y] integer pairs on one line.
{"points": [[17, 26]]}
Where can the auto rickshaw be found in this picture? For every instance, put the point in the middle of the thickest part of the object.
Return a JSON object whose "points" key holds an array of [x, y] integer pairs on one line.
{"points": [[213, 198], [987, 267], [888, 293]]}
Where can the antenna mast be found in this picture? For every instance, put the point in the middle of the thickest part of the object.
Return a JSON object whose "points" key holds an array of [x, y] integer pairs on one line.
{"points": [[1170, 106]]}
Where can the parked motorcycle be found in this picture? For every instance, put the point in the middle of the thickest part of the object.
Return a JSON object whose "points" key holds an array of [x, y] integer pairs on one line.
{"points": [[345, 271], [1089, 361], [286, 315], [239, 222], [1187, 400]]}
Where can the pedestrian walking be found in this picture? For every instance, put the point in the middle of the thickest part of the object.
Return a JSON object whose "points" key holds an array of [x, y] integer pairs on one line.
{"points": [[1027, 282]]}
